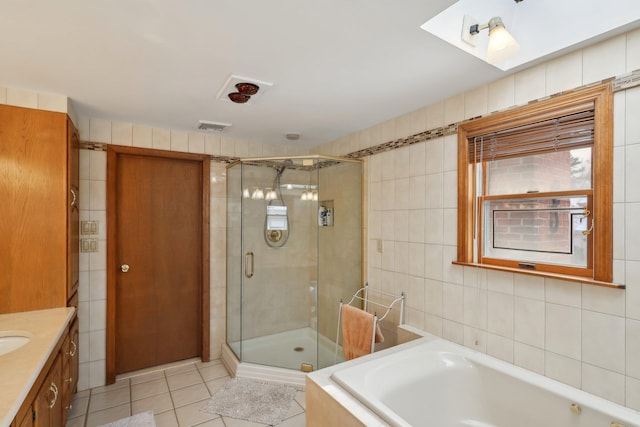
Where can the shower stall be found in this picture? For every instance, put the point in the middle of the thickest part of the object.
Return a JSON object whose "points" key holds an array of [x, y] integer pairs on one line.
{"points": [[294, 250]]}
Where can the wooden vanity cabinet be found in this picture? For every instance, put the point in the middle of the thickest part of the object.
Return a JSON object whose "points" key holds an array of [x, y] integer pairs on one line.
{"points": [[39, 225], [49, 401]]}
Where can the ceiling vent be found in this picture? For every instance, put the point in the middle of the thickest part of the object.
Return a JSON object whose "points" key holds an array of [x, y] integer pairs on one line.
{"points": [[212, 126], [234, 89]]}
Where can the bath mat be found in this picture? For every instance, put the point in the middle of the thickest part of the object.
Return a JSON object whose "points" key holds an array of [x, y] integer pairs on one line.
{"points": [[144, 419], [251, 400]]}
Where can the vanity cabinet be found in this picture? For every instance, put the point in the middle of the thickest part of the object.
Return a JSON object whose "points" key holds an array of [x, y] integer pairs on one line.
{"points": [[39, 225], [49, 401]]}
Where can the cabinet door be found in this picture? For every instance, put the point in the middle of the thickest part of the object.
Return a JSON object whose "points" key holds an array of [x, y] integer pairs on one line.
{"points": [[33, 223], [70, 367], [27, 420], [73, 215], [65, 390], [47, 405], [74, 361]]}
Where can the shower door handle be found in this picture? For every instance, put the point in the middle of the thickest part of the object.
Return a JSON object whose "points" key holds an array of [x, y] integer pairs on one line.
{"points": [[248, 265]]}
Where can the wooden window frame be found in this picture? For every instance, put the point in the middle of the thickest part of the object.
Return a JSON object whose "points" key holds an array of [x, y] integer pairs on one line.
{"points": [[601, 96]]}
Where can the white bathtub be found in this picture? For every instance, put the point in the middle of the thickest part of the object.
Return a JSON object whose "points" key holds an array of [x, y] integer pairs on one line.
{"points": [[433, 382]]}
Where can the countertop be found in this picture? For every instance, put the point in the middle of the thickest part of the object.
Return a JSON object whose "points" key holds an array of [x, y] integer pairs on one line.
{"points": [[20, 368]]}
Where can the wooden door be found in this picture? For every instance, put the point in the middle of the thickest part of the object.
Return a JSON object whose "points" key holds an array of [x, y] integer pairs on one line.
{"points": [[157, 296]]}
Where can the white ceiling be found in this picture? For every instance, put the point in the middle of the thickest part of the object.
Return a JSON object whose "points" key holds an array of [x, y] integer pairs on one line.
{"points": [[337, 66]]}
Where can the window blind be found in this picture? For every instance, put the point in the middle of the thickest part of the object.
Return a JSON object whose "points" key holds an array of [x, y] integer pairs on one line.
{"points": [[563, 132]]}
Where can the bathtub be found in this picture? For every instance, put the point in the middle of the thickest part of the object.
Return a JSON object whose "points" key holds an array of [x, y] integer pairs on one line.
{"points": [[434, 382]]}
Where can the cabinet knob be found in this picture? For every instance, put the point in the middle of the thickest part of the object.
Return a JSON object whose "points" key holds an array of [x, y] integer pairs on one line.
{"points": [[124, 268]]}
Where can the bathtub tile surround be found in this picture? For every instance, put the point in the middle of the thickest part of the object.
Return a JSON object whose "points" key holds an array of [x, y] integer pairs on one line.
{"points": [[582, 335]]}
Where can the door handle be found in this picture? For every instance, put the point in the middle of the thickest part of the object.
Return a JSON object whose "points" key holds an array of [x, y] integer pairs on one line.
{"points": [[248, 265], [124, 268]]}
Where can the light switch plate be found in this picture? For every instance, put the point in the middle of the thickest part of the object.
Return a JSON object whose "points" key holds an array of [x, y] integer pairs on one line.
{"points": [[89, 227], [89, 245]]}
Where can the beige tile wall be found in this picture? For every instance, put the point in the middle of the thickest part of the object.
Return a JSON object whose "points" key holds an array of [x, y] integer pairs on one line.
{"points": [[583, 335]]}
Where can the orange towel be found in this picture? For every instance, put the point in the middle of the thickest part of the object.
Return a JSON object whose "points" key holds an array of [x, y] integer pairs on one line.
{"points": [[357, 330]]}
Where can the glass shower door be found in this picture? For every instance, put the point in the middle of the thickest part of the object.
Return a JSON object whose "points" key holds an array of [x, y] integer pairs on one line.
{"points": [[279, 255]]}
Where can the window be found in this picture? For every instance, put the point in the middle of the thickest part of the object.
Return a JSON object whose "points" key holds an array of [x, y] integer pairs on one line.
{"points": [[535, 188]]}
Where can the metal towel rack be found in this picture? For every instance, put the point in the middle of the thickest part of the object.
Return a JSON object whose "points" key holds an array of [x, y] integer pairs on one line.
{"points": [[363, 294]]}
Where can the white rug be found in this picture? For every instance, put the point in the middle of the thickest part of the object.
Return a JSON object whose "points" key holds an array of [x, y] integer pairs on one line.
{"points": [[144, 419], [256, 401]]}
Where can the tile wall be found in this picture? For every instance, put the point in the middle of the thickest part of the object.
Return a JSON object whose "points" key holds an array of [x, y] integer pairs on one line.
{"points": [[583, 335]]}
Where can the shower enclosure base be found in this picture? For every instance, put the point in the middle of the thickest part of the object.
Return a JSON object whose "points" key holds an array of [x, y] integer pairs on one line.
{"points": [[290, 349]]}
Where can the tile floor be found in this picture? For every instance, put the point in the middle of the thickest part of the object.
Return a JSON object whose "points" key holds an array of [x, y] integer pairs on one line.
{"points": [[175, 395]]}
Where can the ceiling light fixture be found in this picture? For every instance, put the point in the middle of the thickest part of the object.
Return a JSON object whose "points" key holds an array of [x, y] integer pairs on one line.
{"points": [[242, 90], [247, 88], [501, 46], [239, 98]]}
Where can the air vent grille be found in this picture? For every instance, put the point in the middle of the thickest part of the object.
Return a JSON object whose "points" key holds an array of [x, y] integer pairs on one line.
{"points": [[212, 126]]}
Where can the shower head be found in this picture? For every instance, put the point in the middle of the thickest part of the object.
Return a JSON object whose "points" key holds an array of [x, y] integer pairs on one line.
{"points": [[285, 164]]}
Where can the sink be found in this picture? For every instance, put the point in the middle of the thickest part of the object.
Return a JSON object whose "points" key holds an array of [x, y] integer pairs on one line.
{"points": [[12, 340]]}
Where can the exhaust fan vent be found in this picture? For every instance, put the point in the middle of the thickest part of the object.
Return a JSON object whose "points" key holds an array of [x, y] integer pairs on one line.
{"points": [[212, 126]]}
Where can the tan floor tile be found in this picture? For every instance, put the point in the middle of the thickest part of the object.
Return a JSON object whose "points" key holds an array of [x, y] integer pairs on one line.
{"points": [[83, 393], [297, 421], [117, 385], [143, 378], [184, 379], [217, 384], [75, 422], [79, 406], [109, 399], [234, 422], [149, 388], [191, 394], [157, 404], [191, 415], [212, 423], [180, 369], [301, 398], [213, 372], [166, 419], [149, 392], [294, 410], [108, 415]]}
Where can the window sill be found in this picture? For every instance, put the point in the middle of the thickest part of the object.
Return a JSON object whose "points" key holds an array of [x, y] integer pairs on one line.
{"points": [[578, 279]]}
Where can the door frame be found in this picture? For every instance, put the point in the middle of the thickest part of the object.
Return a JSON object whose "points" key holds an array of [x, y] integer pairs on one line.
{"points": [[113, 151]]}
